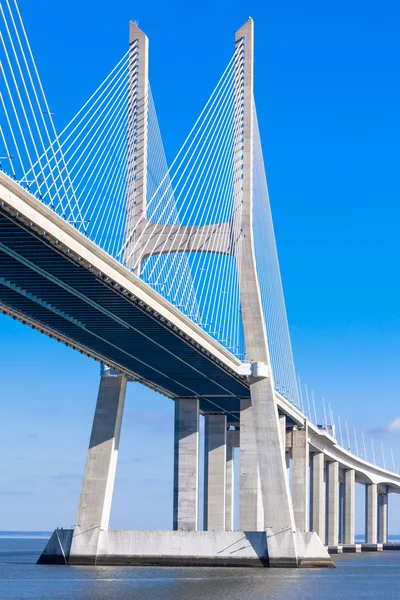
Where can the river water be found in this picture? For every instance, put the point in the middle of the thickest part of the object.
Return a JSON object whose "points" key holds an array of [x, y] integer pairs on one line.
{"points": [[375, 575]]}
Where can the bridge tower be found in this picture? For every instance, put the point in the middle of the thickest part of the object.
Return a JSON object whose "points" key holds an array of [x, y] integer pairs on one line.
{"points": [[266, 507]]}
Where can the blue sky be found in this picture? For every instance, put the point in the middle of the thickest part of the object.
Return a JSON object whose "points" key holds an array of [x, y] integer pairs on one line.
{"points": [[327, 92]]}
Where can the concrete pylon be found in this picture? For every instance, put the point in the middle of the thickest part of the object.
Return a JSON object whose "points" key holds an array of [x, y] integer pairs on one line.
{"points": [[138, 106], [98, 481], [279, 524]]}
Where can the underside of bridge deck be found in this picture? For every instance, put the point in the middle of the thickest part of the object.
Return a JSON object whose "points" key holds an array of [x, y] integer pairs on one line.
{"points": [[92, 315]]}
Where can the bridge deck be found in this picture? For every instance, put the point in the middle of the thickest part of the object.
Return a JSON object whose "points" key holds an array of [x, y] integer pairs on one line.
{"points": [[48, 286]]}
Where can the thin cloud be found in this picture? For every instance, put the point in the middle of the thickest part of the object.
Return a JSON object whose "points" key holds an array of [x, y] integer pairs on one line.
{"points": [[394, 426], [153, 421], [391, 429]]}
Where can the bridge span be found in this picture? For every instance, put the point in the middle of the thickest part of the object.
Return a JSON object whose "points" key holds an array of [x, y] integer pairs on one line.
{"points": [[96, 268], [39, 251]]}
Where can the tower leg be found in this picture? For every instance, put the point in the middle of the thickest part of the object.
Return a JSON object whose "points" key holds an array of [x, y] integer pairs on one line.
{"points": [[99, 477], [278, 512], [186, 461]]}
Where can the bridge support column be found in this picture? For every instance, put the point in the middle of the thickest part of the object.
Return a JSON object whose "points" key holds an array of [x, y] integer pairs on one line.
{"points": [[383, 518], [186, 460], [286, 457], [99, 477], [250, 508], [230, 479], [318, 494], [371, 513], [300, 477], [341, 508], [348, 506], [215, 473], [332, 498]]}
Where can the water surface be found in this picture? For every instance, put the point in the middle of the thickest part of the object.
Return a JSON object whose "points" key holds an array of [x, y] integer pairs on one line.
{"points": [[356, 576]]}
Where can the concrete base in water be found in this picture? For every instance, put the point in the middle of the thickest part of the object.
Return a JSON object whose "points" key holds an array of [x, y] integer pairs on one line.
{"points": [[351, 548], [184, 548], [355, 548]]}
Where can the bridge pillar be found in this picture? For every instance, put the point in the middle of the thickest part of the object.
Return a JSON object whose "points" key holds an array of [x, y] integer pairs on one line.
{"points": [[231, 435], [371, 513], [186, 460], [250, 507], [318, 494], [286, 457], [383, 518], [341, 506], [99, 477], [300, 477], [332, 498], [215, 473], [348, 506]]}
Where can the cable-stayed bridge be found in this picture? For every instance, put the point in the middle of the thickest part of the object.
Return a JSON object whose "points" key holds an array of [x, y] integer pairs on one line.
{"points": [[169, 275]]}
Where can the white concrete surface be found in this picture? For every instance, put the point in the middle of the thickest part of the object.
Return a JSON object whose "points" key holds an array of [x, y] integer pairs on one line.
{"points": [[371, 513], [383, 518], [230, 480], [300, 478], [251, 517], [332, 498], [99, 477], [186, 464], [348, 506], [318, 494], [215, 472]]}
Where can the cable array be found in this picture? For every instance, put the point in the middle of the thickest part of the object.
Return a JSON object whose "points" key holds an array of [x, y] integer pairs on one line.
{"points": [[186, 239], [187, 242], [269, 277], [30, 150]]}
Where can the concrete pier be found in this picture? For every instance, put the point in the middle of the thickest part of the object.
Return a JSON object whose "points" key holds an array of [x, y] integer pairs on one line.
{"points": [[348, 506], [318, 494], [286, 455], [186, 461], [230, 479], [332, 503], [341, 506], [371, 513], [383, 518], [300, 477], [215, 472], [250, 508], [99, 477]]}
